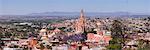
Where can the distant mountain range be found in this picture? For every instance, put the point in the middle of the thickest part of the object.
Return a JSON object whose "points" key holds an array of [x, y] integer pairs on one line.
{"points": [[86, 14], [68, 15]]}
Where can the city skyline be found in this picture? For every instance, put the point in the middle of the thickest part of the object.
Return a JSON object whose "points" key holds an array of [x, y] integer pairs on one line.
{"points": [[19, 7]]}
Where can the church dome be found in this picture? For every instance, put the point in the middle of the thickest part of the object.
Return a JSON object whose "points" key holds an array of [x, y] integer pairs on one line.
{"points": [[43, 30]]}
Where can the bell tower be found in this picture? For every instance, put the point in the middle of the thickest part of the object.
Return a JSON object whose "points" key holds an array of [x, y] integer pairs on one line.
{"points": [[80, 24]]}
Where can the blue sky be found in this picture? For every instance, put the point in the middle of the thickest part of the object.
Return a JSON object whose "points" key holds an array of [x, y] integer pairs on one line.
{"points": [[18, 7]]}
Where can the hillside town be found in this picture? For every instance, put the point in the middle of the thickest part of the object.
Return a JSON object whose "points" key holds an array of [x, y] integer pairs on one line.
{"points": [[77, 34]]}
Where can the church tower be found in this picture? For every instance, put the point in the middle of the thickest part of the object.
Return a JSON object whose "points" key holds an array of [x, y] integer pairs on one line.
{"points": [[80, 24]]}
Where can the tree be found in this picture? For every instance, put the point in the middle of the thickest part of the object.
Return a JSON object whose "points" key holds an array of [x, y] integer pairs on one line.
{"points": [[62, 28], [149, 18], [42, 47], [143, 45], [1, 35], [117, 30], [8, 34]]}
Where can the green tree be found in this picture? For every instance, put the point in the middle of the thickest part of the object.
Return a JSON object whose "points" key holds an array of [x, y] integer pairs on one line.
{"points": [[148, 18], [42, 47], [8, 34], [1, 35], [143, 45], [117, 30]]}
